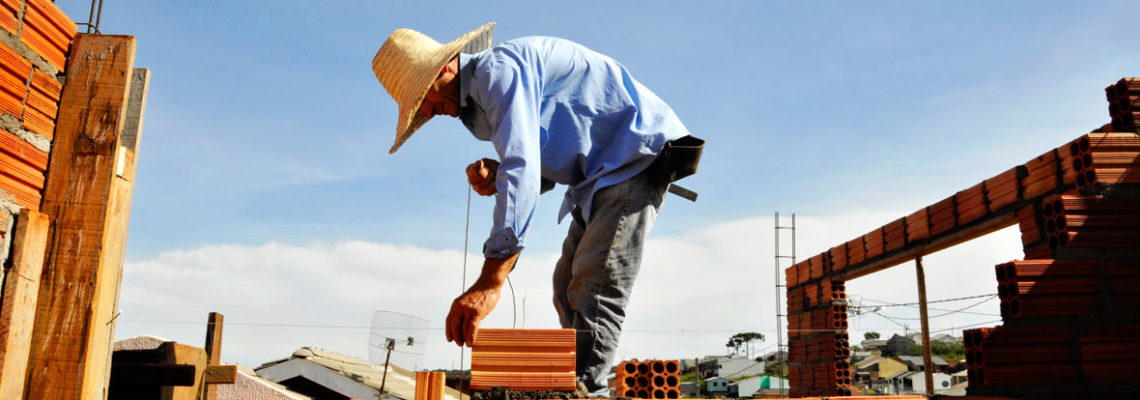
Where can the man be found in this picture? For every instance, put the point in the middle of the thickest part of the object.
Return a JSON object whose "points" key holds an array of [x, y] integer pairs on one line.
{"points": [[556, 112]]}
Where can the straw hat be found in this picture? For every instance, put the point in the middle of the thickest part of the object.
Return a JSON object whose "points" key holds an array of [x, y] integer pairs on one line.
{"points": [[408, 63]]}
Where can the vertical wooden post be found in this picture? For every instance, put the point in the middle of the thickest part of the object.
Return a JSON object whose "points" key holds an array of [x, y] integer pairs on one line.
{"points": [[213, 348], [928, 365], [88, 197], [21, 292]]}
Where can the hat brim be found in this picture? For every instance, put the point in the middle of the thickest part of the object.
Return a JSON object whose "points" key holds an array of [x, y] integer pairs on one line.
{"points": [[410, 119]]}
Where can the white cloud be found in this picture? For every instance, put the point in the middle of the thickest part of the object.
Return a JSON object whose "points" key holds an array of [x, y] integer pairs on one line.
{"points": [[694, 290]]}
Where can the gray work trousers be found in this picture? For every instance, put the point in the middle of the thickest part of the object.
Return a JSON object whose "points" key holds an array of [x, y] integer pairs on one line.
{"points": [[600, 260]]}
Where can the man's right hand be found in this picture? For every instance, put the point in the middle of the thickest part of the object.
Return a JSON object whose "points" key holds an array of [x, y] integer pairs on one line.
{"points": [[481, 176]]}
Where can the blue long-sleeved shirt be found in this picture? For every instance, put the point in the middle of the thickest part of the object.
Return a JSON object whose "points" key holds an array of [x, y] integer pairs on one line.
{"points": [[557, 112]]}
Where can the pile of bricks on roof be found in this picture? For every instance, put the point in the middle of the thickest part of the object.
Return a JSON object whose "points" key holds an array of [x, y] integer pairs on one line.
{"points": [[34, 40], [523, 359], [1071, 309], [652, 379]]}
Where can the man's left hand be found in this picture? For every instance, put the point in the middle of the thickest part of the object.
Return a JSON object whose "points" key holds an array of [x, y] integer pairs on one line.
{"points": [[468, 310], [481, 175]]}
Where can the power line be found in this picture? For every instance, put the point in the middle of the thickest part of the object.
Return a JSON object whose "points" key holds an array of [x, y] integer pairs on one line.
{"points": [[948, 312], [889, 304]]}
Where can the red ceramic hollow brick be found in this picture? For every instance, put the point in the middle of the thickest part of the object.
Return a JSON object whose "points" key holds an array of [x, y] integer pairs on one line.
{"points": [[894, 234], [1002, 190], [971, 204], [917, 226]]}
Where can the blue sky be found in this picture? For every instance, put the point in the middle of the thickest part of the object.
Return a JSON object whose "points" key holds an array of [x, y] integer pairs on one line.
{"points": [[266, 133]]}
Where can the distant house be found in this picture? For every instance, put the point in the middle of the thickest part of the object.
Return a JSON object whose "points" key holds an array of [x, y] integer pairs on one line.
{"points": [[737, 367], [757, 385], [941, 382], [322, 374], [939, 338], [875, 346], [857, 356], [688, 389], [945, 338], [731, 367], [876, 368], [897, 345], [249, 386], [915, 363], [774, 356], [716, 384], [914, 382]]}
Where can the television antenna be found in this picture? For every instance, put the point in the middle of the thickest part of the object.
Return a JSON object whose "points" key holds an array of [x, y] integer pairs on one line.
{"points": [[397, 338]]}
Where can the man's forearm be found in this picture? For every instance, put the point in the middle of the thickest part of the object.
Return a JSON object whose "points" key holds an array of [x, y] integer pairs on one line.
{"points": [[495, 270]]}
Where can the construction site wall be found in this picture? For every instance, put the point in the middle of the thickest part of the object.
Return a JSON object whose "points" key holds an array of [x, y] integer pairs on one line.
{"points": [[71, 109], [35, 37], [1070, 309]]}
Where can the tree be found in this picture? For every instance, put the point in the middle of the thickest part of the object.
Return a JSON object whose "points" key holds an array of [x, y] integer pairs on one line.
{"points": [[743, 339], [871, 335], [776, 368]]}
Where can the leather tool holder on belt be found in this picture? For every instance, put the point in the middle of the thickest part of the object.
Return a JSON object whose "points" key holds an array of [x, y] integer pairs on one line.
{"points": [[679, 158]]}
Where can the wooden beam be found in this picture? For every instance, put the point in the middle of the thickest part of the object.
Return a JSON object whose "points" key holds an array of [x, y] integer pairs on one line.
{"points": [[88, 197], [214, 350], [177, 353], [21, 291], [147, 374], [927, 364], [220, 374]]}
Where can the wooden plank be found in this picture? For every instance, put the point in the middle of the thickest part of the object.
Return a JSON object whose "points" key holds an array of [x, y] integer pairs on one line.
{"points": [[214, 350], [123, 373], [21, 290], [219, 374], [177, 353], [89, 203]]}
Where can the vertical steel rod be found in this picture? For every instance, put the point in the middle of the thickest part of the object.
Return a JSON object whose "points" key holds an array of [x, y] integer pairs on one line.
{"points": [[779, 311], [928, 365]]}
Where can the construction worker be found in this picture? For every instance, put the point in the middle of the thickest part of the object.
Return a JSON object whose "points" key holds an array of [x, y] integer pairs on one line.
{"points": [[556, 112]]}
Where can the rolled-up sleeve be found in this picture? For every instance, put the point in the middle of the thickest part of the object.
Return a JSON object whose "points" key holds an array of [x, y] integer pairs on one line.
{"points": [[510, 94]]}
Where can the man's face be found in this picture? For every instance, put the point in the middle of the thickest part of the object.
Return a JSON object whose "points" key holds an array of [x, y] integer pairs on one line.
{"points": [[442, 97]]}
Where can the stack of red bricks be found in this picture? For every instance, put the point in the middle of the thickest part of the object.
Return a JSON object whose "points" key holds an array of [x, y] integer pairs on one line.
{"points": [[817, 332], [523, 359], [1124, 104], [653, 379], [34, 40], [1071, 309]]}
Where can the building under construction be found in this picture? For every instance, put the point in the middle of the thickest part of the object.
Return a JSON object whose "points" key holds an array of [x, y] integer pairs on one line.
{"points": [[71, 112]]}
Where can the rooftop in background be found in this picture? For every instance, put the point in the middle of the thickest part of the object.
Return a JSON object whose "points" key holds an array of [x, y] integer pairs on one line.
{"points": [[317, 373]]}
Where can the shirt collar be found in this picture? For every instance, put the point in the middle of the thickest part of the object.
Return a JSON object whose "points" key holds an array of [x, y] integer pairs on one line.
{"points": [[466, 71]]}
